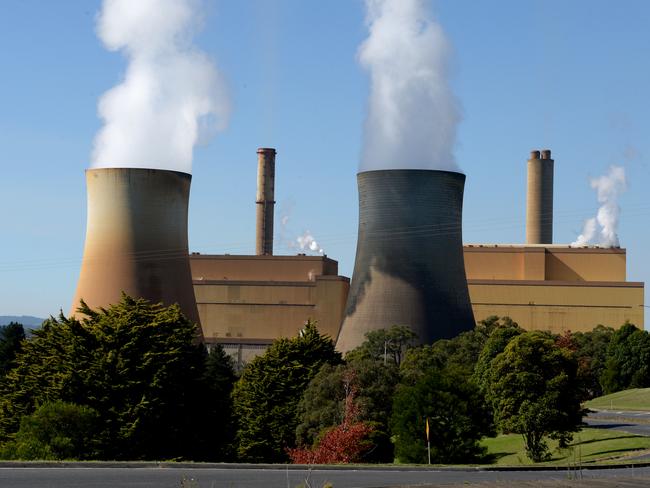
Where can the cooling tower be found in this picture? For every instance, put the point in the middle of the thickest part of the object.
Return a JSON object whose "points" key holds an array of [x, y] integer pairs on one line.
{"points": [[409, 267], [539, 198], [136, 239]]}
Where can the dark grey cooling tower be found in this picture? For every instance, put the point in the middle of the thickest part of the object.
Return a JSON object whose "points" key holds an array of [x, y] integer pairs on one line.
{"points": [[409, 268]]}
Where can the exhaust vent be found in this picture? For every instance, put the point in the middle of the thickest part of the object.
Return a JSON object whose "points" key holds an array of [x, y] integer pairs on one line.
{"points": [[265, 200], [539, 200]]}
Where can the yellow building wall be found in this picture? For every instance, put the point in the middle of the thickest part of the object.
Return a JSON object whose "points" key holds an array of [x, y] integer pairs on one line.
{"points": [[255, 299], [260, 268], [578, 265], [544, 263], [559, 306], [268, 310]]}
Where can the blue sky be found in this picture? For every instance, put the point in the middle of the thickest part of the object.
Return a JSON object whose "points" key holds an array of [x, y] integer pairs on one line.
{"points": [[570, 76]]}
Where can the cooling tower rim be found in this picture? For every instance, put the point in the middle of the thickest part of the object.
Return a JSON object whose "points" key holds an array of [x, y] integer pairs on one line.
{"points": [[134, 169], [411, 171]]}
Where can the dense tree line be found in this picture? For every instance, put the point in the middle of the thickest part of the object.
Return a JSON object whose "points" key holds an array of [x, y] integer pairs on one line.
{"points": [[133, 382], [267, 395], [141, 383], [11, 338]]}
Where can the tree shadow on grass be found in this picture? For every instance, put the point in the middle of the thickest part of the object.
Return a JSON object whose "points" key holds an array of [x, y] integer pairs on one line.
{"points": [[591, 441], [493, 457], [612, 451], [612, 425]]}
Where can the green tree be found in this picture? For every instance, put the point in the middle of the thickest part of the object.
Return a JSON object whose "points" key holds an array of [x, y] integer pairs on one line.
{"points": [[388, 345], [591, 352], [218, 381], [457, 419], [11, 337], [56, 430], [323, 403], [267, 394], [138, 364], [460, 353], [534, 391], [627, 364], [500, 335]]}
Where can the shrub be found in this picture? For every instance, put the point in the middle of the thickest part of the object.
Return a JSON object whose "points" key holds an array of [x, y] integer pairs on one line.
{"points": [[56, 430]]}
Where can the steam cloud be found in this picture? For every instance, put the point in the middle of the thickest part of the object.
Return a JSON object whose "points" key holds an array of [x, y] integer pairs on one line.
{"points": [[412, 114], [307, 242], [608, 187], [588, 233], [304, 242], [172, 95]]}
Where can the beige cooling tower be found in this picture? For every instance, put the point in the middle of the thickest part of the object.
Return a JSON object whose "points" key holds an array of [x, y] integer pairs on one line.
{"points": [[136, 239]]}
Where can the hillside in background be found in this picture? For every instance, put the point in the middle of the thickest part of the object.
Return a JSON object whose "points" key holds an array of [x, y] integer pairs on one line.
{"points": [[632, 399], [26, 320]]}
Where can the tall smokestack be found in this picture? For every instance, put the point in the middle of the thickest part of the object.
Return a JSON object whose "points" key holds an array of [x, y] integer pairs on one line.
{"points": [[136, 239], [409, 267], [265, 200], [539, 205]]}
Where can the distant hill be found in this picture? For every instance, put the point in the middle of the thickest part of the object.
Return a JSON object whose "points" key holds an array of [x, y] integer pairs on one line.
{"points": [[26, 320]]}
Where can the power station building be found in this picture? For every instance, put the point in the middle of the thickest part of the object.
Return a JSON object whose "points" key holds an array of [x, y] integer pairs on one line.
{"points": [[245, 302], [553, 287], [411, 267]]}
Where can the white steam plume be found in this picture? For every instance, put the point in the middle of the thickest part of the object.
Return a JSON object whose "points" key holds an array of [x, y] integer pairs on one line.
{"points": [[304, 242], [307, 242], [608, 188], [588, 233], [412, 112], [172, 95]]}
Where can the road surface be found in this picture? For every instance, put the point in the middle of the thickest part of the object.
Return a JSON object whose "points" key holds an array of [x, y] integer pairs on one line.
{"points": [[632, 422], [161, 477]]}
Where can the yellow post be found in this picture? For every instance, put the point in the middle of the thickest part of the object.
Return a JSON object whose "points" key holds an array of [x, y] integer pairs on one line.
{"points": [[428, 442]]}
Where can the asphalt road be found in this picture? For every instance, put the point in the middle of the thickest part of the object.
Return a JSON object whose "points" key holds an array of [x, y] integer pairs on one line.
{"points": [[633, 415], [631, 422], [257, 477], [269, 478]]}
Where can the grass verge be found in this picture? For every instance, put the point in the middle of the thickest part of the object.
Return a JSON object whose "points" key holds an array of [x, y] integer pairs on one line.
{"points": [[634, 399], [590, 445]]}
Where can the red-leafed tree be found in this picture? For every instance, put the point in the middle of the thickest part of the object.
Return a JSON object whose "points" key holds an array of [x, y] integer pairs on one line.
{"points": [[344, 443], [567, 341]]}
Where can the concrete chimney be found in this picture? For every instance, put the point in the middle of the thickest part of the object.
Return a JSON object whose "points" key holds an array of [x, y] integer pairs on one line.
{"points": [[265, 200], [136, 239], [409, 268], [539, 201]]}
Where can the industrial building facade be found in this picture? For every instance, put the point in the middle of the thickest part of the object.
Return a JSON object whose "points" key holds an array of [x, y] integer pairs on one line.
{"points": [[247, 301], [411, 266], [552, 287]]}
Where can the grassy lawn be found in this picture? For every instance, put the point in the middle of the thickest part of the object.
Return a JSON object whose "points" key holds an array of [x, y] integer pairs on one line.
{"points": [[634, 399], [588, 446]]}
